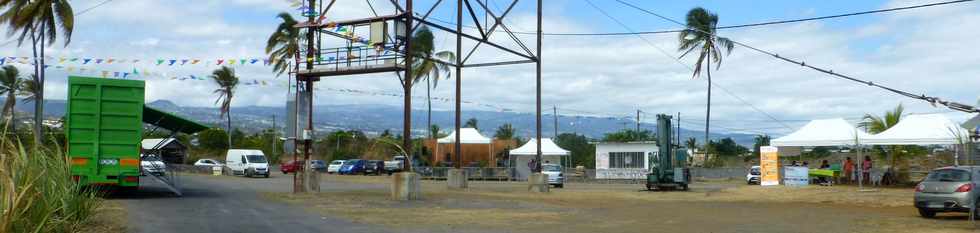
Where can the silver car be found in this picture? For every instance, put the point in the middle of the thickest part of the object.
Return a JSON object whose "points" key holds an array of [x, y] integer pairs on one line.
{"points": [[948, 189], [555, 176]]}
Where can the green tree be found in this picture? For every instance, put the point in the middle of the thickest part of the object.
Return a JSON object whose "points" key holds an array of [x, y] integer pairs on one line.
{"points": [[11, 85], [727, 147], [283, 43], [31, 90], [436, 132], [629, 135], [429, 65], [759, 142], [691, 143], [471, 123], [213, 139], [39, 20], [582, 152], [238, 139], [875, 124], [505, 132], [227, 81], [700, 35]]}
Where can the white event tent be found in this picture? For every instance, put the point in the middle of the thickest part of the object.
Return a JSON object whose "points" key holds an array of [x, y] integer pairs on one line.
{"points": [[550, 152], [931, 129], [467, 136], [825, 132]]}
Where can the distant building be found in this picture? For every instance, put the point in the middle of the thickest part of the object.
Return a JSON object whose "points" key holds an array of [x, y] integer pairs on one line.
{"points": [[170, 150], [624, 160]]}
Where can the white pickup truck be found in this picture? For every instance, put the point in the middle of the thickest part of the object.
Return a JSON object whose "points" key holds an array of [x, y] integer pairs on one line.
{"points": [[394, 165]]}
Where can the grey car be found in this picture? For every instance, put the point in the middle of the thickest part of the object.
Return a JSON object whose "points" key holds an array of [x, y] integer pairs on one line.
{"points": [[948, 189]]}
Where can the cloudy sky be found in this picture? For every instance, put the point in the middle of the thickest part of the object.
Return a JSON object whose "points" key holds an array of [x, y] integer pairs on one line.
{"points": [[930, 51]]}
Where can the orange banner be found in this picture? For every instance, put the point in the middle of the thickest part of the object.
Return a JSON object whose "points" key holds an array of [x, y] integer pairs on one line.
{"points": [[769, 165]]}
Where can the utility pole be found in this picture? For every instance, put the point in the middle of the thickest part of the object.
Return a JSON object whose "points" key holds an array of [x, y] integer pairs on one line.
{"points": [[308, 132], [637, 122], [457, 147], [678, 129], [537, 156], [407, 131], [274, 136]]}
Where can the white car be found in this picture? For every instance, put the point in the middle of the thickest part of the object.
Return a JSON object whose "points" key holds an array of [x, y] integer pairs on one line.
{"points": [[150, 164], [754, 176], [334, 166], [208, 163], [555, 176]]}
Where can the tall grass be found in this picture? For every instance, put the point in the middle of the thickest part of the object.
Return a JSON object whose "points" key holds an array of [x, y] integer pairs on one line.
{"points": [[37, 193]]}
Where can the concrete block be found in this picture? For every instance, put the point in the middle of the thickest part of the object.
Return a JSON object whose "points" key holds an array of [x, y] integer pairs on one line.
{"points": [[406, 186], [457, 179], [538, 183]]}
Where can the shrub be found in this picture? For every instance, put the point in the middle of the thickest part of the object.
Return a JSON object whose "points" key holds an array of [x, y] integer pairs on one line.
{"points": [[37, 193]]}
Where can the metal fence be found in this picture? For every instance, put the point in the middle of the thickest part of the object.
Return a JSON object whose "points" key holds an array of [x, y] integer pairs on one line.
{"points": [[573, 175], [474, 173]]}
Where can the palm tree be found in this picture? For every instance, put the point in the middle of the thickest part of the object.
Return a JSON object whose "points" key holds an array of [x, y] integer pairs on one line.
{"points": [[429, 66], [505, 132], [691, 143], [40, 21], [434, 129], [471, 123], [875, 124], [227, 81], [283, 44], [700, 35], [760, 141], [30, 90], [10, 85]]}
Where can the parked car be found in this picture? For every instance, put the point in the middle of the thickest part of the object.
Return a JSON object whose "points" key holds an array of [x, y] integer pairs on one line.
{"points": [[247, 162], [208, 163], [319, 165], [555, 176], [334, 166], [396, 164], [374, 167], [291, 166], [947, 189], [150, 164], [353, 166], [754, 176]]}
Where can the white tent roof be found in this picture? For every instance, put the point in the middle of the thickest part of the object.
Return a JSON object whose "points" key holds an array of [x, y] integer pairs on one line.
{"points": [[469, 136], [548, 147], [928, 129], [825, 132], [149, 143]]}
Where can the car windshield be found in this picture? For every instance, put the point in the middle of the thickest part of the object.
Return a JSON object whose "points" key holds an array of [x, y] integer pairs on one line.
{"points": [[256, 158], [550, 168], [336, 162], [350, 162], [949, 175], [150, 158]]}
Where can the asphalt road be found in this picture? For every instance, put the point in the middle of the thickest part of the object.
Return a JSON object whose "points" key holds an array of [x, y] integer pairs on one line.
{"points": [[225, 204]]}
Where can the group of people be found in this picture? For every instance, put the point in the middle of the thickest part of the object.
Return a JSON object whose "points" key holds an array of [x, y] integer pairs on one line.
{"points": [[850, 171]]}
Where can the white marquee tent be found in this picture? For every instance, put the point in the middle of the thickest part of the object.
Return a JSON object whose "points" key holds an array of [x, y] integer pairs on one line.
{"points": [[931, 129], [468, 136], [550, 153], [824, 132]]}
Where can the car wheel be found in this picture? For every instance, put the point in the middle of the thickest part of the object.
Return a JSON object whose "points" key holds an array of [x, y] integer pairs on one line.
{"points": [[561, 186], [684, 187], [927, 213], [266, 175], [248, 173], [284, 172]]}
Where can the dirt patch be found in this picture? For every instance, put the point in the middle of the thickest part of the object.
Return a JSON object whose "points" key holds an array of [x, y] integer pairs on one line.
{"points": [[110, 217]]}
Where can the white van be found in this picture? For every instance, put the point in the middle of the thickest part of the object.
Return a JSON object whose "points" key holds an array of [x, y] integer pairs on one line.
{"points": [[247, 162]]}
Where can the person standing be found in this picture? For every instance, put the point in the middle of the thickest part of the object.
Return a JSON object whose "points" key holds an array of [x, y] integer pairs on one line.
{"points": [[848, 170], [866, 168]]}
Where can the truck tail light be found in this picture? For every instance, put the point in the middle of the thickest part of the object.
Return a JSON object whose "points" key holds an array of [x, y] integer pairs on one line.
{"points": [[132, 179], [79, 161], [919, 188], [129, 162], [965, 188]]}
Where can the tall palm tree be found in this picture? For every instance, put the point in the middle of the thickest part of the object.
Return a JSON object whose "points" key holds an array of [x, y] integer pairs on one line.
{"points": [[30, 90], [39, 20], [875, 124], [10, 86], [506, 132], [471, 123], [227, 81], [283, 43], [691, 143], [700, 35], [429, 66]]}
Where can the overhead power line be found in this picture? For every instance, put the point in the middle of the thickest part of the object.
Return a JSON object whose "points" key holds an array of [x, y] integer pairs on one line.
{"points": [[767, 23], [932, 100], [86, 10]]}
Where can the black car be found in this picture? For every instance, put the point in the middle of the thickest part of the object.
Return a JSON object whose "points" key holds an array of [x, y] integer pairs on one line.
{"points": [[374, 167]]}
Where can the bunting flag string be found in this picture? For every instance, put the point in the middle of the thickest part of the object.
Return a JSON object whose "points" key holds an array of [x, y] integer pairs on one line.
{"points": [[85, 60]]}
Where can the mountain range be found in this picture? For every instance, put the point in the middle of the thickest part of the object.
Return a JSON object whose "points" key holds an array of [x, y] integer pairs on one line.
{"points": [[374, 119]]}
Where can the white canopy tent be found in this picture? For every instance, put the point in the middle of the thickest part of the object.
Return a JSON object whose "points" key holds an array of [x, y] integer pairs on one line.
{"points": [[550, 152], [931, 129], [824, 132], [468, 136]]}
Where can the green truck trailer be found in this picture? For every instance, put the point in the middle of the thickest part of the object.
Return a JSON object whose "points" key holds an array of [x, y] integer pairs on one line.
{"points": [[104, 128]]}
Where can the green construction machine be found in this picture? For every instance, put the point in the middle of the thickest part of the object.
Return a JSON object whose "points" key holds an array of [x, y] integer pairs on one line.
{"points": [[668, 167]]}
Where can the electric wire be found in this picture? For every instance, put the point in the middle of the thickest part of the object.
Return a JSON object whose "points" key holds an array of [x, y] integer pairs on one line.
{"points": [[930, 99]]}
